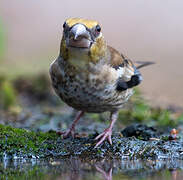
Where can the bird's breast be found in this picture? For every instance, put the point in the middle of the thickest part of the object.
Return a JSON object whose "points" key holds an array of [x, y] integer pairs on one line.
{"points": [[90, 91]]}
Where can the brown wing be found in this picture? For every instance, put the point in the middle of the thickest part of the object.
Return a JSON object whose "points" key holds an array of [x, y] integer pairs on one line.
{"points": [[115, 57], [129, 76], [118, 61]]}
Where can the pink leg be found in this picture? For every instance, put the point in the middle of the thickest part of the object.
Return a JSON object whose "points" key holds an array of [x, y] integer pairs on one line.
{"points": [[71, 130], [107, 132]]}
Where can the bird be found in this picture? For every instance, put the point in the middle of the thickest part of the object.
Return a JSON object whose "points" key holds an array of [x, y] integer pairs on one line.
{"points": [[91, 76]]}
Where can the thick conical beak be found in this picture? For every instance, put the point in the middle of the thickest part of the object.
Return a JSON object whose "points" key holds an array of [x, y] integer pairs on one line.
{"points": [[79, 37], [79, 30]]}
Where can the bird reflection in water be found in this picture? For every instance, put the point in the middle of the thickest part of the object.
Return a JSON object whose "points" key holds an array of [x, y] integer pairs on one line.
{"points": [[106, 175]]}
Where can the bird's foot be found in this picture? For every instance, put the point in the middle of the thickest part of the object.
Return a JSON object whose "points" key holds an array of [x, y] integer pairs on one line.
{"points": [[71, 130], [68, 133], [103, 136]]}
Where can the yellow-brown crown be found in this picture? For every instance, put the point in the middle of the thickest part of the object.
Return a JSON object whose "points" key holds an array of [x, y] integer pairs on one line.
{"points": [[88, 23]]}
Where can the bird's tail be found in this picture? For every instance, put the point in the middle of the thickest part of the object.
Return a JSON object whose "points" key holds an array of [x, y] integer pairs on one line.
{"points": [[143, 64]]}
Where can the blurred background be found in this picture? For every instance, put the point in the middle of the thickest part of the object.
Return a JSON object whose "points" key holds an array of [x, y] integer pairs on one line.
{"points": [[30, 34]]}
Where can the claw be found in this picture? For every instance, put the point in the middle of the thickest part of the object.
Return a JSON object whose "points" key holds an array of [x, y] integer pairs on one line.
{"points": [[69, 132], [105, 135], [107, 132], [99, 136]]}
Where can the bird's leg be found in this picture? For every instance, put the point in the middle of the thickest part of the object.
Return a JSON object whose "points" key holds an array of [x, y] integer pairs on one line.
{"points": [[71, 130], [107, 132]]}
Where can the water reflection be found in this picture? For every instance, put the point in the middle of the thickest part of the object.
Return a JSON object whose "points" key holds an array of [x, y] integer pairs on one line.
{"points": [[106, 175], [78, 169]]}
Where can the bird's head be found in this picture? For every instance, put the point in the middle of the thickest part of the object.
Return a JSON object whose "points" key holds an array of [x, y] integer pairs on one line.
{"points": [[82, 37]]}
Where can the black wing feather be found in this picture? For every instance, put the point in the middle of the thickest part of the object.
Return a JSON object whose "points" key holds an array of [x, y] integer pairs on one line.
{"points": [[134, 81]]}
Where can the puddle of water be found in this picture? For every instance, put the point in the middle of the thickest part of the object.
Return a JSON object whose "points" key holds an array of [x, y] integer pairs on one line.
{"points": [[77, 169]]}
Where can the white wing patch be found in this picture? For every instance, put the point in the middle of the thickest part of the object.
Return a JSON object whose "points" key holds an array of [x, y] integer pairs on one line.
{"points": [[125, 73], [128, 73], [120, 71]]}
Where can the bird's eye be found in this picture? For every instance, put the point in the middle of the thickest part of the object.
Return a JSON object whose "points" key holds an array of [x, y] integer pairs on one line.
{"points": [[64, 24], [98, 28]]}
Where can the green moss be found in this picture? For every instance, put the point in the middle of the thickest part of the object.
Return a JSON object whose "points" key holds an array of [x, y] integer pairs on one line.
{"points": [[22, 142], [141, 112], [163, 117], [7, 94], [27, 144]]}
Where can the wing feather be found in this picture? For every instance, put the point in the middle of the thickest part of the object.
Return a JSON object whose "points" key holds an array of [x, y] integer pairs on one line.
{"points": [[129, 75]]}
